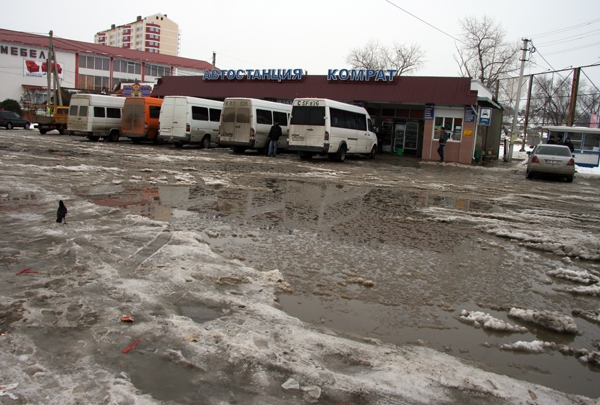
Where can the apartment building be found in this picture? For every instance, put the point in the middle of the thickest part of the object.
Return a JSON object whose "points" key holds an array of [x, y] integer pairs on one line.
{"points": [[155, 34]]}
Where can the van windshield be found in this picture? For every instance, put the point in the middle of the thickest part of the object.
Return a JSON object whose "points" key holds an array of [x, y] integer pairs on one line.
{"points": [[308, 115]]}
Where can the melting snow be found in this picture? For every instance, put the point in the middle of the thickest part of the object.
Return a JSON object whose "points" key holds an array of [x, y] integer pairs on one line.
{"points": [[551, 320]]}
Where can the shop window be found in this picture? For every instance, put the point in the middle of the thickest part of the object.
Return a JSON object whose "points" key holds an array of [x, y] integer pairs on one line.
{"points": [[453, 125], [388, 112], [417, 114], [403, 113]]}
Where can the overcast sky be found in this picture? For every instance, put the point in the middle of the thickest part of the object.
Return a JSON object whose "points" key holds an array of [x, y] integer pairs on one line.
{"points": [[317, 35]]}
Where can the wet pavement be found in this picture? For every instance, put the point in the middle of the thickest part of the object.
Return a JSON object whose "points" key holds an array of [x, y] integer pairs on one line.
{"points": [[389, 249]]}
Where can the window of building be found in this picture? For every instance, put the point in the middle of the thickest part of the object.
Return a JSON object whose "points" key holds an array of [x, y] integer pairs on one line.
{"points": [[451, 124]]}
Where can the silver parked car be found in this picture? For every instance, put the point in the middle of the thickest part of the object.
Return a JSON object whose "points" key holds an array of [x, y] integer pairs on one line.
{"points": [[551, 159]]}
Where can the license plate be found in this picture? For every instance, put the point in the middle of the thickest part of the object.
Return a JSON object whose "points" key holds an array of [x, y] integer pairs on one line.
{"points": [[166, 130], [297, 138]]}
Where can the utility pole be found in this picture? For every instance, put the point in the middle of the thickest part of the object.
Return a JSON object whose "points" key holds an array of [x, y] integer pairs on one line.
{"points": [[526, 123], [508, 157], [573, 103], [214, 60], [48, 82]]}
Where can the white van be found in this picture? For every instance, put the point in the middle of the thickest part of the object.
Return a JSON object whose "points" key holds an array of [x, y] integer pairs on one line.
{"points": [[189, 120], [327, 127], [246, 122], [95, 116]]}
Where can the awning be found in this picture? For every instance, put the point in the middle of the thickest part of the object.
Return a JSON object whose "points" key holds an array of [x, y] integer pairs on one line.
{"points": [[28, 87], [488, 102]]}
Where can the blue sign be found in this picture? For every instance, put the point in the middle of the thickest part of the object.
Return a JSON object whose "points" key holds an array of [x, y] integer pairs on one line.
{"points": [[429, 111], [485, 116], [254, 74], [361, 75], [469, 114]]}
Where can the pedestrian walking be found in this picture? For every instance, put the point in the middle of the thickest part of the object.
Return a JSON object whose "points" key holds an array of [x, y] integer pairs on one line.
{"points": [[443, 139]]}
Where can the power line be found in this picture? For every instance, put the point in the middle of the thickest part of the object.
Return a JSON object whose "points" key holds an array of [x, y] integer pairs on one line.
{"points": [[569, 39], [572, 27], [573, 49], [425, 22]]}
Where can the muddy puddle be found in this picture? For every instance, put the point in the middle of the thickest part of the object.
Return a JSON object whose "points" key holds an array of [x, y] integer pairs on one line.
{"points": [[367, 263]]}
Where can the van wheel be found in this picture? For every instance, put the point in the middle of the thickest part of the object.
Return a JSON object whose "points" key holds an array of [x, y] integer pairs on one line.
{"points": [[178, 145], [27, 125], [205, 143], [136, 140], [569, 179], [373, 152], [113, 136], [238, 149], [93, 138], [62, 131], [340, 155], [305, 155], [43, 131], [157, 141]]}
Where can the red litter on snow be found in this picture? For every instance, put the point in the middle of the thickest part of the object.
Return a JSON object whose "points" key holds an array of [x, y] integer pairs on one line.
{"points": [[26, 271], [126, 318], [131, 346]]}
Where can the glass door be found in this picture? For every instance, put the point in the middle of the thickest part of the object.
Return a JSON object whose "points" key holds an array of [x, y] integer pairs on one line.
{"points": [[399, 130], [411, 136]]}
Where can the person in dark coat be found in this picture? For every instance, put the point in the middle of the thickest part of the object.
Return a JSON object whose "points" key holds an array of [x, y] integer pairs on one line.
{"points": [[569, 144], [61, 213], [551, 140], [443, 139], [274, 135]]}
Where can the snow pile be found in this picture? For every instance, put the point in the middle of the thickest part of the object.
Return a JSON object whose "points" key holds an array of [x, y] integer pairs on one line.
{"points": [[486, 321], [591, 358], [551, 320], [593, 316], [537, 346], [593, 290], [581, 277]]}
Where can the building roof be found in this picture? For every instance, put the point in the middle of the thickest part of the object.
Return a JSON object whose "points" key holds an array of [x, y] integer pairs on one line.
{"points": [[404, 89], [85, 48]]}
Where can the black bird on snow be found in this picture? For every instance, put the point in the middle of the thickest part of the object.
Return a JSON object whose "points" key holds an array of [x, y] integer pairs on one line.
{"points": [[61, 213]]}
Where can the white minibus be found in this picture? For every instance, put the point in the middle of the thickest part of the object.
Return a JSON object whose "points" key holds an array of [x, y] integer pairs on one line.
{"points": [[246, 122], [189, 120], [95, 116], [327, 127]]}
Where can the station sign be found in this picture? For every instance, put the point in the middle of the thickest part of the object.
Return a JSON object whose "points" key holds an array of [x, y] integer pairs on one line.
{"points": [[485, 116]]}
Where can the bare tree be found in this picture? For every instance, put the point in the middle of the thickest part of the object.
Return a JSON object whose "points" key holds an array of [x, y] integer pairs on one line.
{"points": [[551, 99], [403, 58], [484, 53]]}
